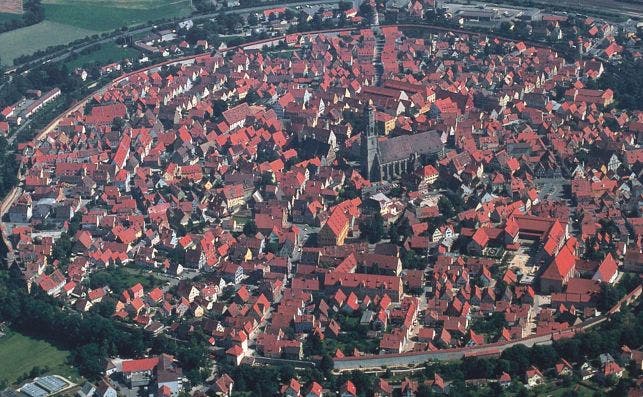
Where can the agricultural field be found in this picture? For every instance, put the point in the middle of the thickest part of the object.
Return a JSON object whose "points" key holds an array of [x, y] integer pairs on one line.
{"points": [[109, 15], [76, 19], [37, 37], [15, 363], [108, 53]]}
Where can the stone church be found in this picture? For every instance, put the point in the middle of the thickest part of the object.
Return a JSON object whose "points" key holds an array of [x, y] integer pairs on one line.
{"points": [[390, 158]]}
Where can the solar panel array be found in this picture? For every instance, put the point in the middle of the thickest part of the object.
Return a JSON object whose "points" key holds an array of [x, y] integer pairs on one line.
{"points": [[44, 386], [32, 390], [51, 384]]}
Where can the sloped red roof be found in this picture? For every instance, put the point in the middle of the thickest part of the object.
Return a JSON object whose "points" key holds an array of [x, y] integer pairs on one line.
{"points": [[141, 365]]}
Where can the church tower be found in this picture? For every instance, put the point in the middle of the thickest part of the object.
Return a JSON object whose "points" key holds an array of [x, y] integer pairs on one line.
{"points": [[369, 145]]}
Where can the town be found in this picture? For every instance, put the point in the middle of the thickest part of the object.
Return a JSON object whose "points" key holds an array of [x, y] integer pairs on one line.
{"points": [[365, 207]]}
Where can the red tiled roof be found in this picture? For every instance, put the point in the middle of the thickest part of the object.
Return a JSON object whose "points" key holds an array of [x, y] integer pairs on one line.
{"points": [[141, 365]]}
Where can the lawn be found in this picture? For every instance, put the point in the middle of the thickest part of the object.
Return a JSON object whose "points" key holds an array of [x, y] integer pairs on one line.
{"points": [[20, 353], [122, 278], [4, 17], [36, 37], [106, 54], [582, 390], [105, 16]]}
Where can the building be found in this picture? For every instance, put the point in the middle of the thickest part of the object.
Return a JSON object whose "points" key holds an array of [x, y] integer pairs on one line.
{"points": [[335, 229], [161, 370], [390, 158], [12, 6]]}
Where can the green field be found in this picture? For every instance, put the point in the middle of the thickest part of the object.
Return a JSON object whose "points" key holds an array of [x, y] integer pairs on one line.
{"points": [[19, 354], [106, 16], [582, 390], [122, 278], [106, 54], [69, 20], [37, 37], [4, 17]]}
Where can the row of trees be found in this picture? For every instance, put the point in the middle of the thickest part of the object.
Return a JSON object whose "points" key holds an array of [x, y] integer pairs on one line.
{"points": [[8, 168]]}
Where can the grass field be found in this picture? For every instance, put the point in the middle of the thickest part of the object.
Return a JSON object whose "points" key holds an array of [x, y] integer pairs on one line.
{"points": [[8, 17], [583, 391], [105, 16], [69, 20], [19, 354], [106, 54], [37, 37], [122, 278]]}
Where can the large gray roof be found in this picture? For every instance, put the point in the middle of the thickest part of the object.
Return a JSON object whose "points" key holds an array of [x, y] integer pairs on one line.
{"points": [[401, 147]]}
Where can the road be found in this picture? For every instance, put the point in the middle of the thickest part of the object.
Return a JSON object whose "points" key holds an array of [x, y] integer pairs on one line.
{"points": [[616, 8], [629, 10], [68, 51]]}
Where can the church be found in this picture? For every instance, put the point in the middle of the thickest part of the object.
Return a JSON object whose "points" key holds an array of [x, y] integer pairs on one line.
{"points": [[390, 158]]}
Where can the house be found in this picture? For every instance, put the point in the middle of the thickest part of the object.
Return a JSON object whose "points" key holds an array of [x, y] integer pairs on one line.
{"points": [[223, 386], [408, 388], [335, 229], [348, 389], [291, 389], [611, 368], [587, 371], [534, 377], [607, 271], [139, 372], [314, 390], [105, 389], [504, 380], [563, 368], [561, 269], [87, 390], [478, 242], [382, 389]]}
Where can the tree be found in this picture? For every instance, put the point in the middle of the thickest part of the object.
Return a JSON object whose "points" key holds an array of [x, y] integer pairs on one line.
{"points": [[366, 11], [608, 297], [250, 228], [252, 19], [349, 191], [345, 6], [424, 390], [326, 364], [446, 207], [252, 96], [373, 229], [505, 27], [519, 358], [411, 260]]}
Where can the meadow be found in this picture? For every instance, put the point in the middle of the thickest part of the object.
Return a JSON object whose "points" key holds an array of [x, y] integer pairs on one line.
{"points": [[15, 363], [107, 53], [36, 37], [109, 15]]}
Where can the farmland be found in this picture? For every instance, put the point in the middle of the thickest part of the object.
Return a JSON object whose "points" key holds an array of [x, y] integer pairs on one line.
{"points": [[105, 16], [37, 37], [76, 19], [15, 363]]}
